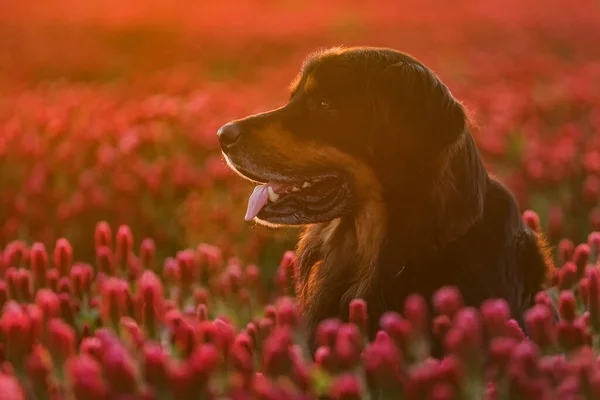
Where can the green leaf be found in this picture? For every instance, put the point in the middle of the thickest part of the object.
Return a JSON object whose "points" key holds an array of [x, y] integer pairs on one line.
{"points": [[321, 381], [89, 316]]}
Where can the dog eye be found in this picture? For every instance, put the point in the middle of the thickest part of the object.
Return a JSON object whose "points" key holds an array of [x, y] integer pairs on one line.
{"points": [[324, 105]]}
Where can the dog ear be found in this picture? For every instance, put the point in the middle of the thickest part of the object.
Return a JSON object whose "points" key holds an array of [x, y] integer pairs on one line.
{"points": [[423, 150], [416, 95], [419, 116]]}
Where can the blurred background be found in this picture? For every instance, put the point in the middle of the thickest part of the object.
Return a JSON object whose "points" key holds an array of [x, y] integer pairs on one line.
{"points": [[109, 110]]}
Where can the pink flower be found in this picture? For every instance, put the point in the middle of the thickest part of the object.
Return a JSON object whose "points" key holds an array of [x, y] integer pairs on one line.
{"points": [[348, 346], [63, 256], [358, 314], [91, 346], [103, 235], [465, 338], [581, 258], [181, 380], [286, 272], [346, 387], [594, 299], [81, 279], [441, 325], [61, 341], [12, 282], [543, 299], [567, 276], [148, 253], [86, 378], [171, 271], [203, 362], [500, 352], [67, 308], [105, 260], [276, 352], [540, 326], [594, 218], [270, 312], [244, 339], [594, 242], [16, 254], [382, 360], [209, 257], [416, 312], [17, 330], [254, 333], [447, 301], [224, 335], [443, 391], [131, 333], [4, 295], [495, 314], [114, 301], [253, 275], [124, 246], [186, 262], [570, 335], [327, 331], [514, 330], [64, 286], [10, 388], [47, 301], [324, 358], [201, 296], [119, 369], [567, 306], [39, 264], [566, 248], [399, 329], [38, 372], [287, 314], [154, 364], [532, 220], [24, 285], [150, 289], [184, 338]]}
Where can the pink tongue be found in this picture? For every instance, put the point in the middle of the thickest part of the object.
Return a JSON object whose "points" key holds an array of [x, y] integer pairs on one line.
{"points": [[257, 201], [259, 198]]}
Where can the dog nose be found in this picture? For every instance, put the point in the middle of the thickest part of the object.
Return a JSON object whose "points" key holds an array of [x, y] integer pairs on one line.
{"points": [[229, 134]]}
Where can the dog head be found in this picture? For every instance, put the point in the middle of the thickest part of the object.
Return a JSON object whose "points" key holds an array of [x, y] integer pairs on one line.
{"points": [[360, 124]]}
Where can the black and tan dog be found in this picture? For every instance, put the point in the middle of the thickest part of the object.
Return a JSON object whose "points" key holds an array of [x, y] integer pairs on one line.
{"points": [[373, 154]]}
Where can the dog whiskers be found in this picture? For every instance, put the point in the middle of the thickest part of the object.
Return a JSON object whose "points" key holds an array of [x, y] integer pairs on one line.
{"points": [[401, 270]]}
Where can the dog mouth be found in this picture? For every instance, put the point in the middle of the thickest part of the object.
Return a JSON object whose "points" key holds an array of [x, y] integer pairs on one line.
{"points": [[295, 200]]}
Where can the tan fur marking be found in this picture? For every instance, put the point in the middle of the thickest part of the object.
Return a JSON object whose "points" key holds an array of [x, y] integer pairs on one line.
{"points": [[313, 279], [370, 221], [370, 229], [330, 230]]}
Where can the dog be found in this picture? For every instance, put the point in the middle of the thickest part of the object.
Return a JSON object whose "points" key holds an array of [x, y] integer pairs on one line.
{"points": [[373, 156]]}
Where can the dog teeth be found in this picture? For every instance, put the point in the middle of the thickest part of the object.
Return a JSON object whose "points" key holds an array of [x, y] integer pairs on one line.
{"points": [[295, 189], [306, 184], [272, 195]]}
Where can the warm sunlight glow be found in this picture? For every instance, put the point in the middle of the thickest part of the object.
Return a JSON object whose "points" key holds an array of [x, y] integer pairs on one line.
{"points": [[344, 258]]}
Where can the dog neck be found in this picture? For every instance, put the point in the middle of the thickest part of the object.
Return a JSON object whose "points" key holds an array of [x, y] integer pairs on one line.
{"points": [[336, 261], [346, 258]]}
